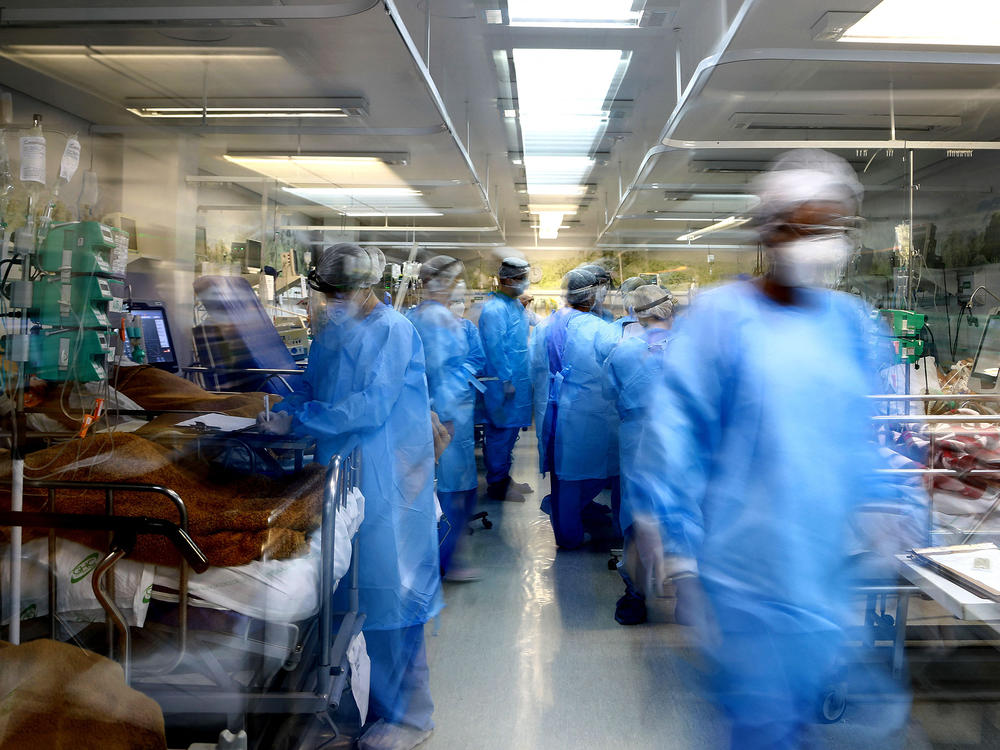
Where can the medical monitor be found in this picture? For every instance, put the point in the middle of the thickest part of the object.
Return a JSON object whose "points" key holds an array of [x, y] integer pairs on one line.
{"points": [[253, 255], [160, 350]]}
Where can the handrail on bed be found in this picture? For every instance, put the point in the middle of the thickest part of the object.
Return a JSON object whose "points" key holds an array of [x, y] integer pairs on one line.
{"points": [[126, 530], [110, 488]]}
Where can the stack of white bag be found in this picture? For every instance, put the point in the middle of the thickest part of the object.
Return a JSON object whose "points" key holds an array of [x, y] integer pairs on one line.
{"points": [[75, 601]]}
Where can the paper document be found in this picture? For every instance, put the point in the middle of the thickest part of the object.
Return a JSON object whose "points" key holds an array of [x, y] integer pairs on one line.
{"points": [[974, 566], [219, 422]]}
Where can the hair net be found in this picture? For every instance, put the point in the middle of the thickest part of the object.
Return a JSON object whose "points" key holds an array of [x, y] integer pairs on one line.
{"points": [[599, 271], [438, 273], [341, 268], [580, 285], [650, 301], [801, 176], [512, 268], [627, 287], [378, 264]]}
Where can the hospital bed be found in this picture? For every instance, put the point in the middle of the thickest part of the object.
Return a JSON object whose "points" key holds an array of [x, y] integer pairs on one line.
{"points": [[223, 643], [927, 645]]}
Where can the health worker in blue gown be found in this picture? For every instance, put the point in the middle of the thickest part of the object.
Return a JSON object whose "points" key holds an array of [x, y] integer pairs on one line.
{"points": [[454, 358], [633, 373], [366, 380], [581, 430], [504, 328], [628, 325], [604, 283], [768, 453]]}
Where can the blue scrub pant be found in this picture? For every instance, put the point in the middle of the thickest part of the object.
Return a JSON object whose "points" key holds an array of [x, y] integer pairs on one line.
{"points": [[569, 497], [457, 507], [400, 684], [498, 448]]}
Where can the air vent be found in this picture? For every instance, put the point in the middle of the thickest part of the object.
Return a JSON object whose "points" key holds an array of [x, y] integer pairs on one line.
{"points": [[828, 121]]}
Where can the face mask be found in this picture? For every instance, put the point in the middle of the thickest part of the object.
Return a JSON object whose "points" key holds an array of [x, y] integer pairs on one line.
{"points": [[520, 287], [602, 292], [810, 261], [340, 310], [458, 308]]}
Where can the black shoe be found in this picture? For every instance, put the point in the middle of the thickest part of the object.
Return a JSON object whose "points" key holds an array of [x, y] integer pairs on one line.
{"points": [[498, 490], [630, 609]]}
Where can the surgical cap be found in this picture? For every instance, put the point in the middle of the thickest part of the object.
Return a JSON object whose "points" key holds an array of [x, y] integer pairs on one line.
{"points": [[650, 301], [627, 287], [378, 264], [599, 271], [512, 268], [341, 268], [803, 176], [439, 272], [580, 285]]}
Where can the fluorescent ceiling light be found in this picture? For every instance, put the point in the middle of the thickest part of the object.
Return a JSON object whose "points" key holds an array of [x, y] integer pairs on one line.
{"points": [[561, 96], [510, 113], [145, 53], [493, 15], [562, 208], [559, 190], [729, 223], [573, 13], [971, 23], [367, 201], [681, 218], [195, 113], [244, 108], [363, 192], [315, 158], [549, 223], [360, 214]]}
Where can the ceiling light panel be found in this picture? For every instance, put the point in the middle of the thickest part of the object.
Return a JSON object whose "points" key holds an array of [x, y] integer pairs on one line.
{"points": [[305, 170], [368, 201], [561, 106], [958, 22], [587, 14]]}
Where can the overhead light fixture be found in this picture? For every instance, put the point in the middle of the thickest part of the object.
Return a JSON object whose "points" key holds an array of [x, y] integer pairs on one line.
{"points": [[510, 113], [561, 117], [971, 23], [493, 15], [567, 209], [396, 158], [549, 223], [367, 201], [587, 14], [391, 214], [729, 223], [248, 109], [680, 218]]}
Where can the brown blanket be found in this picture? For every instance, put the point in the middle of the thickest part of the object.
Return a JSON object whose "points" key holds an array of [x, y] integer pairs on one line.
{"points": [[234, 521], [60, 697], [156, 389]]}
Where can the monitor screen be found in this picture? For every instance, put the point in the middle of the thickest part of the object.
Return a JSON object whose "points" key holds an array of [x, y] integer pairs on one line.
{"points": [[253, 254], [156, 332]]}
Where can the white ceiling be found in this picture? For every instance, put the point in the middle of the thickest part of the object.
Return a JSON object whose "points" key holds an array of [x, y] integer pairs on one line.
{"points": [[774, 82]]}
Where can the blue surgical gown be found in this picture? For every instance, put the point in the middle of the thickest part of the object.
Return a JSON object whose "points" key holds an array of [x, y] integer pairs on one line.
{"points": [[767, 436], [453, 360], [628, 326], [633, 373], [367, 379], [503, 325], [586, 431]]}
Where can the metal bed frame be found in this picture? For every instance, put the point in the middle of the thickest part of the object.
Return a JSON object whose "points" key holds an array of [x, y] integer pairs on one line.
{"points": [[307, 688]]}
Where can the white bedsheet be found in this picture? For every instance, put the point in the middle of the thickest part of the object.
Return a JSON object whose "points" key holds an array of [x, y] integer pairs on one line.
{"points": [[273, 590]]}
